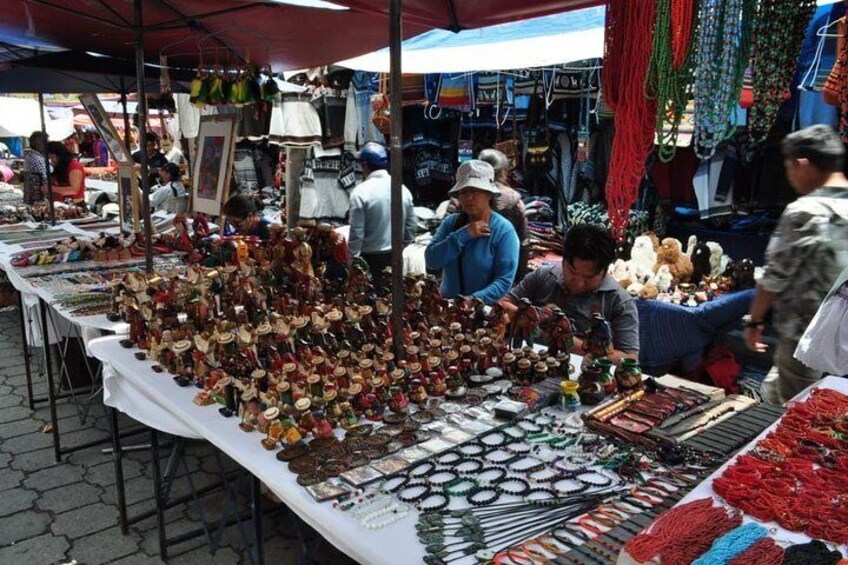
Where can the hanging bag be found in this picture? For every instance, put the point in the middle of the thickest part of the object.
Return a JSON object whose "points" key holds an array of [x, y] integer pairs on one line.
{"points": [[381, 107], [538, 157]]}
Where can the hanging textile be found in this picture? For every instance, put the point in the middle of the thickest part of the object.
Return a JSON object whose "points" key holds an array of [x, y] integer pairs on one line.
{"points": [[670, 74], [723, 46], [627, 55], [779, 31]]}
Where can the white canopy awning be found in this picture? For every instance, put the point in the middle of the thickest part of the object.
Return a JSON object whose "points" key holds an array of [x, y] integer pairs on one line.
{"points": [[19, 117]]}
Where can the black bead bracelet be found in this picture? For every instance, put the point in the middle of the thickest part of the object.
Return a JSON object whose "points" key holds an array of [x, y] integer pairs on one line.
{"points": [[449, 458], [394, 484], [416, 472], [426, 504], [483, 496], [425, 492], [506, 486], [441, 478]]}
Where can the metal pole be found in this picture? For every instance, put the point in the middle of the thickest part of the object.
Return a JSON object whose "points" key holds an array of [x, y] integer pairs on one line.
{"points": [[27, 352], [395, 37], [126, 117], [290, 180], [51, 393], [118, 459], [49, 178], [142, 136]]}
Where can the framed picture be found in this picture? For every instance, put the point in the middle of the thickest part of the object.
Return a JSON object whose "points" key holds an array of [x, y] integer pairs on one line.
{"points": [[129, 198], [213, 163], [104, 126]]}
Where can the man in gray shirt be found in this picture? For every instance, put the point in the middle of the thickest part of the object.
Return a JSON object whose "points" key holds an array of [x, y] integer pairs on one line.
{"points": [[581, 287], [371, 211]]}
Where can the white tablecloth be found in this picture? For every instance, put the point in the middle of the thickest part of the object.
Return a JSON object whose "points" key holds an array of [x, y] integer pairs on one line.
{"points": [[90, 327], [705, 489], [155, 400]]}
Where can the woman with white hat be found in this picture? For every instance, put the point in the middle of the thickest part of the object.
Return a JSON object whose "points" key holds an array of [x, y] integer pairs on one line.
{"points": [[476, 249]]}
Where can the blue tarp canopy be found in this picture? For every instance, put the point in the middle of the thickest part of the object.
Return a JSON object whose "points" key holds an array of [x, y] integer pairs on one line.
{"points": [[537, 42]]}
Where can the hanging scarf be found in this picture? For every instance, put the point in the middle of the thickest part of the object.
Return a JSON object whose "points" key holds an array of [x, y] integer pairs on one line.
{"points": [[627, 55]]}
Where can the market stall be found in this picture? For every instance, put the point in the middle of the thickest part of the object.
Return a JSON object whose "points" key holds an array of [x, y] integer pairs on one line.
{"points": [[775, 489]]}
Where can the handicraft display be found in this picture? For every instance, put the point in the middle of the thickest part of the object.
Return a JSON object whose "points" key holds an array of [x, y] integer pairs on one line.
{"points": [[796, 475]]}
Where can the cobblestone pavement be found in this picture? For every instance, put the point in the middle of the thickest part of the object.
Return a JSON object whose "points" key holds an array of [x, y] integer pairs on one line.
{"points": [[56, 513]]}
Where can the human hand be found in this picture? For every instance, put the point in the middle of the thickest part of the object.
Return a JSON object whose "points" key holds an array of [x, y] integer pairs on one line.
{"points": [[754, 339], [479, 229]]}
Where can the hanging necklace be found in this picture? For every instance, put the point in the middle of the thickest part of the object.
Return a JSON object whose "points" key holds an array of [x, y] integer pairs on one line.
{"points": [[724, 43], [627, 55], [779, 32], [670, 74]]}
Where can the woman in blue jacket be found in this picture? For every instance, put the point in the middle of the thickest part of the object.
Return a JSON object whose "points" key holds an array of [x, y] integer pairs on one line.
{"points": [[476, 249]]}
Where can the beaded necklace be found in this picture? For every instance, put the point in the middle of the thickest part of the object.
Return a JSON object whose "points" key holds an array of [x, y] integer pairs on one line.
{"points": [[779, 32], [627, 55], [722, 55], [670, 74]]}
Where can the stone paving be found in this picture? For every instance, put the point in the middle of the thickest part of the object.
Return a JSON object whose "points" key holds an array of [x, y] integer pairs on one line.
{"points": [[59, 513]]}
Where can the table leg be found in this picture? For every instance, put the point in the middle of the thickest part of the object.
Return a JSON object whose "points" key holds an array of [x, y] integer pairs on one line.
{"points": [[117, 457], [157, 494], [25, 344], [256, 508], [45, 337]]}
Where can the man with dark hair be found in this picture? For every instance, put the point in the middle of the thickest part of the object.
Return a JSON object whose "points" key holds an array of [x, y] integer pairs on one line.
{"points": [[241, 214], [580, 287], [35, 159], [808, 250], [155, 158], [371, 211]]}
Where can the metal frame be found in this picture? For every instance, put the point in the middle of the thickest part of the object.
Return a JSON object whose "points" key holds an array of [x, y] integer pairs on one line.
{"points": [[212, 531], [54, 391]]}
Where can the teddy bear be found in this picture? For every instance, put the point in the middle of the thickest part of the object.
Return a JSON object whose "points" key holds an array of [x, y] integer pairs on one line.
{"points": [[671, 253]]}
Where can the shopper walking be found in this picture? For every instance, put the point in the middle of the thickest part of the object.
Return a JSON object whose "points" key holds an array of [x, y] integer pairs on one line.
{"points": [[371, 211], [808, 250]]}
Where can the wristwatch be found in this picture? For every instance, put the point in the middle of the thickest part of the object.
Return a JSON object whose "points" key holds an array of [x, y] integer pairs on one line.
{"points": [[749, 322]]}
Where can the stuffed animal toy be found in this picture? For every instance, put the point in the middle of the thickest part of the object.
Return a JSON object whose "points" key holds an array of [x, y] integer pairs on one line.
{"points": [[691, 244], [643, 258], [663, 279], [618, 270], [744, 278], [717, 259], [701, 265], [671, 253], [655, 241], [634, 289], [649, 292], [741, 273]]}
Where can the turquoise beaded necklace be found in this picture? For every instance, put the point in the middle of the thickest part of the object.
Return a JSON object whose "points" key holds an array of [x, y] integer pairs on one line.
{"points": [[724, 43]]}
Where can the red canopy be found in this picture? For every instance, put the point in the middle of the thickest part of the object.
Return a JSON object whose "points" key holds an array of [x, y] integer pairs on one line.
{"points": [[288, 37]]}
